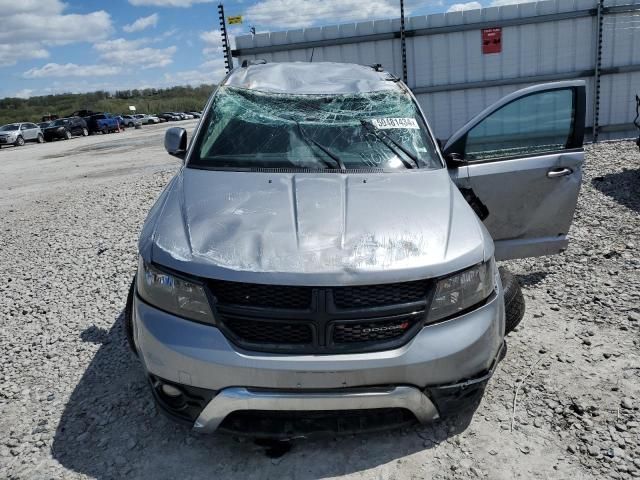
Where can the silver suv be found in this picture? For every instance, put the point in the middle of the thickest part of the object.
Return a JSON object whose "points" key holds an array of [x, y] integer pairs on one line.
{"points": [[319, 262], [19, 133]]}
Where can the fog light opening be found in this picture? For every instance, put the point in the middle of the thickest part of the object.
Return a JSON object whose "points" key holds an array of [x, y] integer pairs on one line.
{"points": [[173, 396]]}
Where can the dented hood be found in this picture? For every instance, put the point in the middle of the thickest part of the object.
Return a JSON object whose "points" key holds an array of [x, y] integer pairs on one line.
{"points": [[313, 229]]}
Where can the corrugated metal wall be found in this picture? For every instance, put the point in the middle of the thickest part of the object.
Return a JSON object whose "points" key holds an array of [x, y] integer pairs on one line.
{"points": [[442, 67]]}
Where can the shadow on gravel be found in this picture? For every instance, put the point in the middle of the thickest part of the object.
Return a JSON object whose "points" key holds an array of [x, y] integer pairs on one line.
{"points": [[110, 429], [531, 279], [623, 187]]}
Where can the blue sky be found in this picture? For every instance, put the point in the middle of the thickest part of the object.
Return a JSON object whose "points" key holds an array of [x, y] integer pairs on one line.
{"points": [[53, 46]]}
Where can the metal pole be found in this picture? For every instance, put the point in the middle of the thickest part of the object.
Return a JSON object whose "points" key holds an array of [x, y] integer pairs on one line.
{"points": [[228, 60], [596, 78], [403, 43]]}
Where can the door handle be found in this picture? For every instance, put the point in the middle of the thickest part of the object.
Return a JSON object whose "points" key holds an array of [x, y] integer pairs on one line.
{"points": [[559, 172]]}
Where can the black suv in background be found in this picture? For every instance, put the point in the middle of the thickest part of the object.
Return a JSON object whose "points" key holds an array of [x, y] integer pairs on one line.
{"points": [[66, 128]]}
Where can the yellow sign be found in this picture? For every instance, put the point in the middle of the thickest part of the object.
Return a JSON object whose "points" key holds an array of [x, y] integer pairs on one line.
{"points": [[235, 20]]}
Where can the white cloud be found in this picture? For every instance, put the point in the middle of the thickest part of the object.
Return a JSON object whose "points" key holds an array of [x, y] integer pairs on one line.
{"points": [[304, 13], [10, 53], [459, 7], [71, 70], [142, 23], [166, 3], [501, 3], [133, 53], [29, 27], [196, 77], [212, 42], [24, 93]]}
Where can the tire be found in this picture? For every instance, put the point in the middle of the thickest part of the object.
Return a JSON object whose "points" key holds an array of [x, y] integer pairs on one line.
{"points": [[40, 138], [130, 124], [128, 318], [105, 131], [514, 305], [67, 135], [19, 141], [85, 132]]}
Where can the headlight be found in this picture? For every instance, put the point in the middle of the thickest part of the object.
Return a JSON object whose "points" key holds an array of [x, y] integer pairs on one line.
{"points": [[462, 290], [173, 294]]}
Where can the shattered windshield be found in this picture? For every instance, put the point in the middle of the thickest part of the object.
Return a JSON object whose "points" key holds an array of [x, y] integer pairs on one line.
{"points": [[248, 129]]}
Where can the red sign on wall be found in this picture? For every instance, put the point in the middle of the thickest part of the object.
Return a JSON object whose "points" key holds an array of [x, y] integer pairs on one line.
{"points": [[492, 40]]}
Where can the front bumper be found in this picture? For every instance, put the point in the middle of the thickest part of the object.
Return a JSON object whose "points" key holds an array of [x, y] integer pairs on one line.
{"points": [[444, 368]]}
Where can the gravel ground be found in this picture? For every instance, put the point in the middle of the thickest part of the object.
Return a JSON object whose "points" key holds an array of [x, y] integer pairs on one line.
{"points": [[74, 402]]}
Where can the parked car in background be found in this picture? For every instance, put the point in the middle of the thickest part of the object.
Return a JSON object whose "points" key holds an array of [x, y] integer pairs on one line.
{"points": [[169, 116], [187, 115], [65, 128], [103, 122], [82, 113], [19, 133], [130, 121], [147, 119], [195, 114], [44, 125]]}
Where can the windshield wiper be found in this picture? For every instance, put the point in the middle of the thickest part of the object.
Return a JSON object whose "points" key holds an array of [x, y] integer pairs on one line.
{"points": [[387, 140], [330, 154]]}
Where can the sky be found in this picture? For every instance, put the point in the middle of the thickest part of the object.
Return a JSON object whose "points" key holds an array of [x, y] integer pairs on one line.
{"points": [[56, 46]]}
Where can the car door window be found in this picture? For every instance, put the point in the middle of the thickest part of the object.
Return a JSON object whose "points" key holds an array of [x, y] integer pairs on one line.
{"points": [[537, 123]]}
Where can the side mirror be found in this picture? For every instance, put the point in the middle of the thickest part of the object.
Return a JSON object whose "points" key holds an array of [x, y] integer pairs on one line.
{"points": [[175, 142], [455, 160]]}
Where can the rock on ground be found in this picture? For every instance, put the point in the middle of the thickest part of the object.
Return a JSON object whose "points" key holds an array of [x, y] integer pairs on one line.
{"points": [[74, 402]]}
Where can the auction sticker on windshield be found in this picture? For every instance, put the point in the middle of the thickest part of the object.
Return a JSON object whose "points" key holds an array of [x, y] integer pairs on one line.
{"points": [[386, 123]]}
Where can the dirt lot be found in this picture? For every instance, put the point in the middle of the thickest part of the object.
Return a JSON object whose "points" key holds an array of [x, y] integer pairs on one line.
{"points": [[74, 402]]}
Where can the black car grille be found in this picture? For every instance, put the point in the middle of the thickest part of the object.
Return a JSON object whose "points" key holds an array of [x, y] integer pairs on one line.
{"points": [[290, 424], [256, 295], [375, 295], [273, 318], [265, 332]]}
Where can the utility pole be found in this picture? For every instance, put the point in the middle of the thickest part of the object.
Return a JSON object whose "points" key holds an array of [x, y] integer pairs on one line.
{"points": [[226, 47], [596, 78], [403, 43]]}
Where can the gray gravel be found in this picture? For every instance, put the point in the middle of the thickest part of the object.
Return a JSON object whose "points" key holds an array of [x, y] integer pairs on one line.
{"points": [[74, 402]]}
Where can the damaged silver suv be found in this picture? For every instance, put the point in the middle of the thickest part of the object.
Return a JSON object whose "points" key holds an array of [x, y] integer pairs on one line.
{"points": [[321, 263]]}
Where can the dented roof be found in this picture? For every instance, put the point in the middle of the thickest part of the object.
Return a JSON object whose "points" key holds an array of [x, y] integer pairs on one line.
{"points": [[306, 78]]}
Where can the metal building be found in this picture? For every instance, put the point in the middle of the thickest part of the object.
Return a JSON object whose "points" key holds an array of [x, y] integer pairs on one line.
{"points": [[458, 63]]}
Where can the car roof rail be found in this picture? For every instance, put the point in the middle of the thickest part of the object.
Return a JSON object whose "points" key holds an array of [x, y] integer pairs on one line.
{"points": [[248, 63]]}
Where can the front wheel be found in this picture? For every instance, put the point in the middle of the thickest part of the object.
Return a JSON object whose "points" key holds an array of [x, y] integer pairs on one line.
{"points": [[40, 138], [67, 135], [85, 132], [513, 300], [127, 315], [19, 142]]}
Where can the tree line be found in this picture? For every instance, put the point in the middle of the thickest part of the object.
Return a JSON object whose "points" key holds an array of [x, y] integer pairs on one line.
{"points": [[147, 100]]}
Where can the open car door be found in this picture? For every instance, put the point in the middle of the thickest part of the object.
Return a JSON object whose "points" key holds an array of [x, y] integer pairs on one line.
{"points": [[522, 158]]}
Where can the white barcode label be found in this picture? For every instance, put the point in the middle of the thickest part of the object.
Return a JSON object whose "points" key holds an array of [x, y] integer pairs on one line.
{"points": [[386, 123]]}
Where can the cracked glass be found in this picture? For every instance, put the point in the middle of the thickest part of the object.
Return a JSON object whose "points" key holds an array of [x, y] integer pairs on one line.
{"points": [[251, 129]]}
